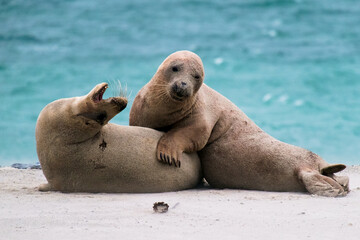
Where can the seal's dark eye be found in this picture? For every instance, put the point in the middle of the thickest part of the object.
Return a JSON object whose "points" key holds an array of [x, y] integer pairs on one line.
{"points": [[196, 76], [175, 69]]}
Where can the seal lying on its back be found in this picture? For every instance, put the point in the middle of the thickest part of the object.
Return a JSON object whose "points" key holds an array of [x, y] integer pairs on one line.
{"points": [[80, 151], [234, 151]]}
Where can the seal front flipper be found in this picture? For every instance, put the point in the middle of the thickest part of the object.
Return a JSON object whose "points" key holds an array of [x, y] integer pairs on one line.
{"points": [[168, 151], [189, 139], [321, 185]]}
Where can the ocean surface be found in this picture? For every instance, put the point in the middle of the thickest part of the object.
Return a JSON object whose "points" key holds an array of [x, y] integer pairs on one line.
{"points": [[291, 66]]}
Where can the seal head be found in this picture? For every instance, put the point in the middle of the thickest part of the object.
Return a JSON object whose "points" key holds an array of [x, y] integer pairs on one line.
{"points": [[180, 76], [94, 110]]}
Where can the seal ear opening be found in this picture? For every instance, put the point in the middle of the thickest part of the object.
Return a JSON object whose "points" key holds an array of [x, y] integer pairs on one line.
{"points": [[332, 169]]}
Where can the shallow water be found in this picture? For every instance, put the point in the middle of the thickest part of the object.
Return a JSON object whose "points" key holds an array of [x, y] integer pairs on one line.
{"points": [[292, 66]]}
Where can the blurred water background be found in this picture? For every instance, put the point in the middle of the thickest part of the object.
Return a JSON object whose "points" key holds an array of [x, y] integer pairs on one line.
{"points": [[293, 66]]}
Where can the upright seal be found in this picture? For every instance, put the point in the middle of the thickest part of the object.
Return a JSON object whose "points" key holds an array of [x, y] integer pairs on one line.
{"points": [[234, 151], [80, 151]]}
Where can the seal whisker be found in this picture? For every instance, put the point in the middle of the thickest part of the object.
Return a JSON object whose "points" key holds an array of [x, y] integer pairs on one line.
{"points": [[160, 95], [161, 98], [161, 85], [123, 90], [112, 82]]}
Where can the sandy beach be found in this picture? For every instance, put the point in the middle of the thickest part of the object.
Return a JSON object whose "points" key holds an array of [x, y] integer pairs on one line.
{"points": [[204, 213]]}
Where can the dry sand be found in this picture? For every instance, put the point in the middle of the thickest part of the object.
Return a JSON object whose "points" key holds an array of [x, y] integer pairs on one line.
{"points": [[26, 213]]}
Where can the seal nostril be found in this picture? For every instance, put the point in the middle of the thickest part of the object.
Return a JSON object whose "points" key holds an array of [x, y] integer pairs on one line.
{"points": [[177, 90], [179, 94]]}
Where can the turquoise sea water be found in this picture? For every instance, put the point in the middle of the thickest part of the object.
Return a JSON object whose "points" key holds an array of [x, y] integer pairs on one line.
{"points": [[292, 66]]}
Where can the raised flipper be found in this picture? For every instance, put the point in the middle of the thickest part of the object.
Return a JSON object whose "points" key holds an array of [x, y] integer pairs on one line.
{"points": [[45, 187], [321, 185], [334, 168]]}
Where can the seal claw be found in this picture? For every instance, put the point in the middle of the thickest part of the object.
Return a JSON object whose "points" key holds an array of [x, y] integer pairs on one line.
{"points": [[174, 161]]}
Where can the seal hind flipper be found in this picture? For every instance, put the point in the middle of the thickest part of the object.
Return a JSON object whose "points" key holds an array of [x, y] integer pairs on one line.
{"points": [[334, 168], [343, 181], [321, 185]]}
